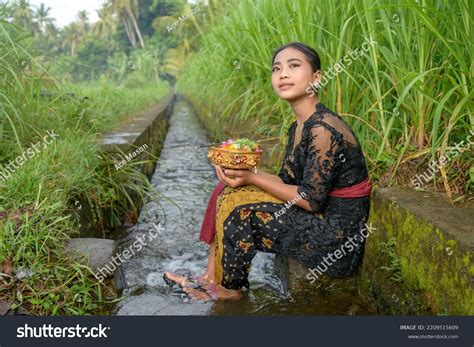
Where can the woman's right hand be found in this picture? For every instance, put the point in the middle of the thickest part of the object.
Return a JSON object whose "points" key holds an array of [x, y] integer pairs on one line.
{"points": [[219, 173], [234, 178]]}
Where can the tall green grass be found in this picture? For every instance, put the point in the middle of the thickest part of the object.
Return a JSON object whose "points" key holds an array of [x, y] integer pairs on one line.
{"points": [[37, 200], [409, 98]]}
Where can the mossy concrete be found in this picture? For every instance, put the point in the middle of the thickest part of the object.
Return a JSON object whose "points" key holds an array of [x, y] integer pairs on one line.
{"points": [[419, 259]]}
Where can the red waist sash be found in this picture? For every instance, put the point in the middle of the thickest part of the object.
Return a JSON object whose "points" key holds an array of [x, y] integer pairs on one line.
{"points": [[208, 227], [359, 190]]}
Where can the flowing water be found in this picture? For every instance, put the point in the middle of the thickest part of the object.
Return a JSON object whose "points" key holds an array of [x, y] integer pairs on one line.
{"points": [[185, 179]]}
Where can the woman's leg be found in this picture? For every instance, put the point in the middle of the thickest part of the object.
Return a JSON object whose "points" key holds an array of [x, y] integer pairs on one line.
{"points": [[207, 235], [209, 274], [208, 232], [206, 278], [250, 228], [235, 197], [246, 230]]}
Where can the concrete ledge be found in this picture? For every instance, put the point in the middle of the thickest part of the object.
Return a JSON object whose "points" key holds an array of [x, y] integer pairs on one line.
{"points": [[430, 207], [148, 127], [419, 260], [293, 277]]}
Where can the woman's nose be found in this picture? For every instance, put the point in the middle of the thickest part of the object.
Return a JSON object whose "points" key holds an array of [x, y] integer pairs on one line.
{"points": [[283, 74]]}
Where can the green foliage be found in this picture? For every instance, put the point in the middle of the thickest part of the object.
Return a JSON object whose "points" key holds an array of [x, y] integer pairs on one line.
{"points": [[410, 95], [35, 200], [91, 59], [84, 51], [246, 142]]}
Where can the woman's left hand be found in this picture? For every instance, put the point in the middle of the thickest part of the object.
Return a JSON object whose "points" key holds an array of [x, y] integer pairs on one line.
{"points": [[235, 178]]}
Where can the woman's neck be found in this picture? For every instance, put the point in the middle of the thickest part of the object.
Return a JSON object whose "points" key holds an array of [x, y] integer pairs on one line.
{"points": [[303, 108]]}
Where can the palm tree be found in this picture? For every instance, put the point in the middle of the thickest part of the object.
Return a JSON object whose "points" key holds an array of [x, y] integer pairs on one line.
{"points": [[22, 14], [127, 11], [51, 32], [83, 19], [106, 26], [172, 10], [174, 59], [71, 37], [42, 16]]}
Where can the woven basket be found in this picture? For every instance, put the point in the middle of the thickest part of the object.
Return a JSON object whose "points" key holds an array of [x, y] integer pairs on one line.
{"points": [[234, 159]]}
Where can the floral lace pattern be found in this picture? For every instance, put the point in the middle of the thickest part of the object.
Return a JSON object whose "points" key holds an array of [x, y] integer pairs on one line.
{"points": [[328, 156], [325, 158]]}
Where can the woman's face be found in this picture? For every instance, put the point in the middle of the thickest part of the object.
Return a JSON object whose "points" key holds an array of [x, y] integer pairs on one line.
{"points": [[292, 74]]}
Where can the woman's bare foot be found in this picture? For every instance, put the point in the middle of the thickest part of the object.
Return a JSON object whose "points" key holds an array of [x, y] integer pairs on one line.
{"points": [[205, 278], [181, 280], [226, 294], [197, 294], [184, 282], [213, 292]]}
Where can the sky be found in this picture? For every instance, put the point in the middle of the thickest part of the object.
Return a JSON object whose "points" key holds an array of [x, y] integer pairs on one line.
{"points": [[65, 11]]}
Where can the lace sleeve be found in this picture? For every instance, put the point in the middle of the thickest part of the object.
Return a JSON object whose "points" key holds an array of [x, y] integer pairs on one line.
{"points": [[320, 168], [282, 173]]}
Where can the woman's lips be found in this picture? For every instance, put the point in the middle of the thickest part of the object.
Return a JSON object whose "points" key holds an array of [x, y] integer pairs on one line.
{"points": [[286, 86]]}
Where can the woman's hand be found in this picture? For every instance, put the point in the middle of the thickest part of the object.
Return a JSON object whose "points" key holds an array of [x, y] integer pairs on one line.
{"points": [[234, 178]]}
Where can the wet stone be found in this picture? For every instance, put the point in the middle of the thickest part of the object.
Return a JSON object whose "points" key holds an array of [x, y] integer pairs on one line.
{"points": [[96, 253]]}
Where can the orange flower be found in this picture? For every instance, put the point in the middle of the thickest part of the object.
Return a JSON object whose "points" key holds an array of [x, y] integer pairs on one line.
{"points": [[264, 216], [267, 242], [244, 245], [244, 213]]}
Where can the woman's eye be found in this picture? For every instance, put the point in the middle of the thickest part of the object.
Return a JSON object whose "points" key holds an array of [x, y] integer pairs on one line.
{"points": [[294, 65], [274, 69]]}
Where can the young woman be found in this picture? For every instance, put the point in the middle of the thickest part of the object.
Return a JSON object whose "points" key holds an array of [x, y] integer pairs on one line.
{"points": [[323, 174]]}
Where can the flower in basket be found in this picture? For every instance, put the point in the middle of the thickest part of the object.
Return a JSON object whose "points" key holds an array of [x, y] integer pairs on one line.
{"points": [[236, 154]]}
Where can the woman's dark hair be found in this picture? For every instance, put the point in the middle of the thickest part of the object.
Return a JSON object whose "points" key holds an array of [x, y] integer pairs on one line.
{"points": [[311, 54]]}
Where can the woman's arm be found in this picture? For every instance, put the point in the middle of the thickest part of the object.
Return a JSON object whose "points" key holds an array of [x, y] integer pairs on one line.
{"points": [[318, 172], [274, 185]]}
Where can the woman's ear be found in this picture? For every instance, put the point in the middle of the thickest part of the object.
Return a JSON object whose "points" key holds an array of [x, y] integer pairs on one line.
{"points": [[315, 84], [317, 77]]}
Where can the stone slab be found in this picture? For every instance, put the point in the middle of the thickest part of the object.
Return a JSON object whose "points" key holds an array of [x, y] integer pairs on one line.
{"points": [[98, 251]]}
